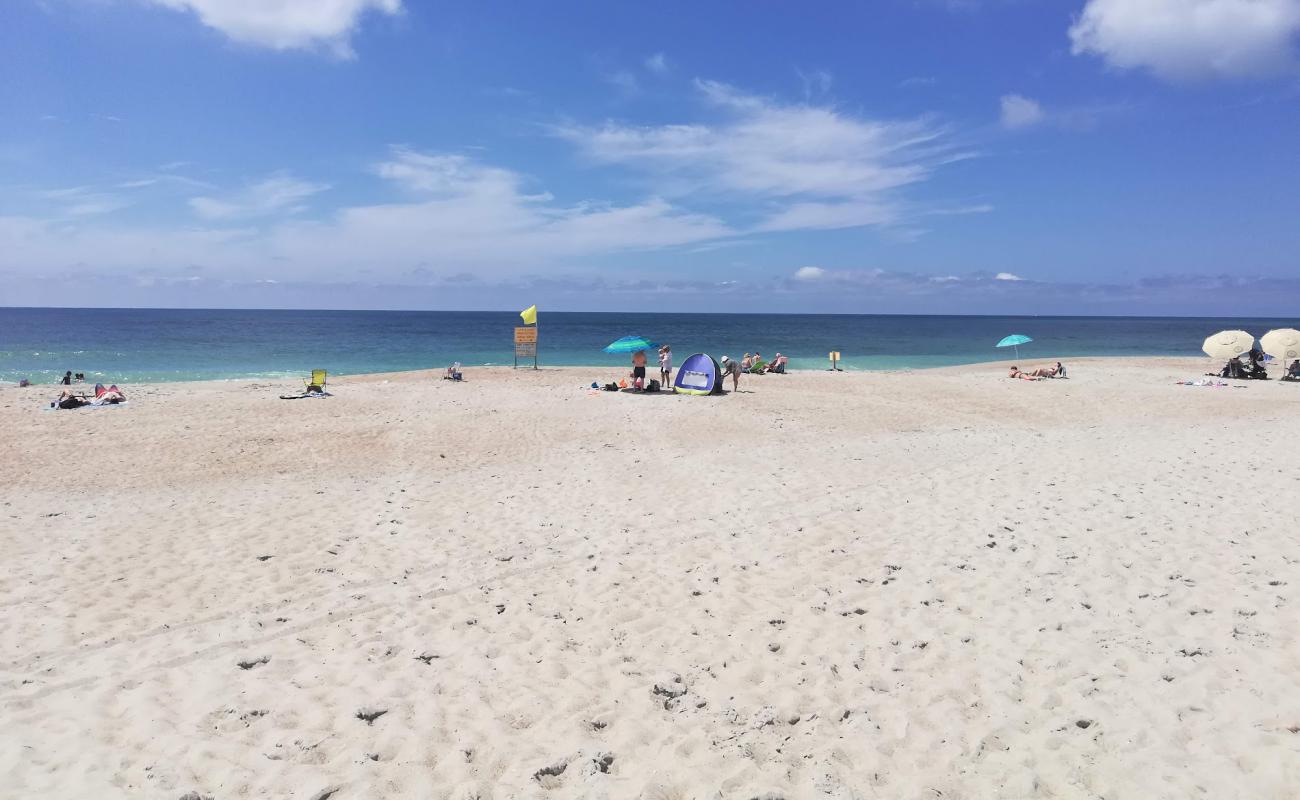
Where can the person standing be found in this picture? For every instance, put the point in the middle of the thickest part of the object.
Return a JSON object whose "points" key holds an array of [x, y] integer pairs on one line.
{"points": [[731, 368], [638, 369], [666, 366], [67, 378]]}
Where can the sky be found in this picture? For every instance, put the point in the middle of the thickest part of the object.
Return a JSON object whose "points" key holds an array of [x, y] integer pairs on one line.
{"points": [[893, 156]]}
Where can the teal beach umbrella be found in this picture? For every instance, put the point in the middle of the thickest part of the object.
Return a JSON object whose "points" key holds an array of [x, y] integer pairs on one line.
{"points": [[1015, 340], [630, 344]]}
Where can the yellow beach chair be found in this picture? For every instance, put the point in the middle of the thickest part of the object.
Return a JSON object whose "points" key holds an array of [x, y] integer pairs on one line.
{"points": [[317, 379]]}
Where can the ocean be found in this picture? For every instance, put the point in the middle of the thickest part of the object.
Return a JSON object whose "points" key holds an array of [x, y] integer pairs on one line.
{"points": [[147, 345]]}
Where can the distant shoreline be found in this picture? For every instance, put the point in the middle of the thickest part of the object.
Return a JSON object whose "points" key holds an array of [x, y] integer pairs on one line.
{"points": [[1180, 362]]}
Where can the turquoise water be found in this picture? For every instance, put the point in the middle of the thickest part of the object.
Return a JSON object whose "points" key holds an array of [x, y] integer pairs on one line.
{"points": [[141, 345]]}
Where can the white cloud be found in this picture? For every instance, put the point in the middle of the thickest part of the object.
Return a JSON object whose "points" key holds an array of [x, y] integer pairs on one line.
{"points": [[447, 174], [658, 64], [1190, 39], [817, 82], [84, 201], [1020, 112], [820, 167], [828, 216], [277, 194], [1007, 276], [464, 215], [760, 167], [286, 24], [809, 274]]}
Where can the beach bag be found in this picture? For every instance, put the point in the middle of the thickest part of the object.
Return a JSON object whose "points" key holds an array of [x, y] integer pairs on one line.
{"points": [[653, 386], [611, 387]]}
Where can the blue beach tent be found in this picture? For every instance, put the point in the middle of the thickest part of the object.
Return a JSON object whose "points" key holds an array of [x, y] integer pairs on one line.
{"points": [[699, 374]]}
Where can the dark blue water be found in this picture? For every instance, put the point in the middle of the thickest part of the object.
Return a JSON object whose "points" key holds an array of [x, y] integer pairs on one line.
{"points": [[138, 345]]}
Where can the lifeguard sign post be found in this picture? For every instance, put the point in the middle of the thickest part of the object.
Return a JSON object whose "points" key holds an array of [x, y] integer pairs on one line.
{"points": [[526, 345]]}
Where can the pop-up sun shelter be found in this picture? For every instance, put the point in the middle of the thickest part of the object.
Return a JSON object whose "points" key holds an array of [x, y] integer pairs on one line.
{"points": [[699, 374]]}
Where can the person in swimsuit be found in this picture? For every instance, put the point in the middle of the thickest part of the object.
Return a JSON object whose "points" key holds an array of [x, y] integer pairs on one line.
{"points": [[1025, 376], [69, 400], [638, 369], [666, 365]]}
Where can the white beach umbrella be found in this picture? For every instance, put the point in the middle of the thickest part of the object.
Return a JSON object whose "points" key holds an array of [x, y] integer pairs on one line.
{"points": [[1283, 344], [1228, 344]]}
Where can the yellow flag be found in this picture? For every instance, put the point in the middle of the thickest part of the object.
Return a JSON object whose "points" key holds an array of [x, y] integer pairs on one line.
{"points": [[529, 315]]}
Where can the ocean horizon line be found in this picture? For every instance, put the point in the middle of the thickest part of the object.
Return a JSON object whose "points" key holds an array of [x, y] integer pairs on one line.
{"points": [[541, 311]]}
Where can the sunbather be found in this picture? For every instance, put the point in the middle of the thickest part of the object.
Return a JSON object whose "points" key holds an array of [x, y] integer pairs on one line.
{"points": [[110, 396], [1026, 376], [69, 400], [1293, 372]]}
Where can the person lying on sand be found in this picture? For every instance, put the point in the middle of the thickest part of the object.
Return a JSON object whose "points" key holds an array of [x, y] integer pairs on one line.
{"points": [[69, 400], [110, 396], [1027, 376]]}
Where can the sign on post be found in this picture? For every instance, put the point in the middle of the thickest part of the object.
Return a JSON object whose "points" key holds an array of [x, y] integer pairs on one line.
{"points": [[526, 345], [835, 360]]}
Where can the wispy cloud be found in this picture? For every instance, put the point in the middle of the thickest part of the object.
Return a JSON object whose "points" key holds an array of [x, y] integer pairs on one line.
{"points": [[1190, 39], [1020, 112], [84, 201], [277, 194], [287, 24], [759, 167], [815, 82], [820, 167], [658, 64]]}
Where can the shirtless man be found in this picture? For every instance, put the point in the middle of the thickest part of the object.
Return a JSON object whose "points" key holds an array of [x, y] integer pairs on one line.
{"points": [[638, 369]]}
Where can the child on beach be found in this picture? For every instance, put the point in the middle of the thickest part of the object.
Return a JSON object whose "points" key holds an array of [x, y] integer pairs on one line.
{"points": [[666, 365]]}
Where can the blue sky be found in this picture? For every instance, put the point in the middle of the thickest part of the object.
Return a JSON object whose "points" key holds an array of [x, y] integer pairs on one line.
{"points": [[944, 156]]}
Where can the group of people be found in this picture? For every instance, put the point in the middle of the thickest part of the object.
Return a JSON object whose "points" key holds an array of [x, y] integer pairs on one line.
{"points": [[69, 379], [103, 397], [755, 365], [1057, 370], [639, 361], [1250, 370]]}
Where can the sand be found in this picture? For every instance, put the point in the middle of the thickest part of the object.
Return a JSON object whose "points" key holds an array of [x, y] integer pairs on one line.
{"points": [[941, 584]]}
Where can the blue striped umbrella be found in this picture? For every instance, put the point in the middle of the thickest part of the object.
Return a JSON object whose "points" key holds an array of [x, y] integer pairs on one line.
{"points": [[630, 344]]}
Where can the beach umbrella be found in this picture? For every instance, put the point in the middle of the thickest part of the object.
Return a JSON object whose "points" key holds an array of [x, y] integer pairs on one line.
{"points": [[1228, 344], [630, 344], [1015, 340], [1283, 343]]}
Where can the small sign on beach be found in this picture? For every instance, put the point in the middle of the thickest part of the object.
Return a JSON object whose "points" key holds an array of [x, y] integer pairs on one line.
{"points": [[835, 359], [526, 345]]}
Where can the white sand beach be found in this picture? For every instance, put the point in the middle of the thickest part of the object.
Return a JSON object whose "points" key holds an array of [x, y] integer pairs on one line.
{"points": [[937, 584]]}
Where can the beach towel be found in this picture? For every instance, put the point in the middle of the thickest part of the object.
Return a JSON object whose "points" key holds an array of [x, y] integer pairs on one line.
{"points": [[305, 395]]}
